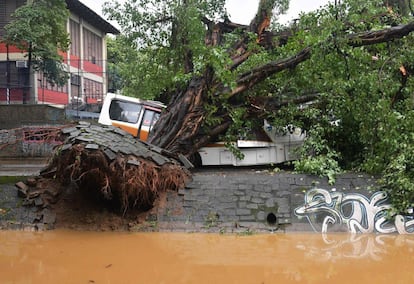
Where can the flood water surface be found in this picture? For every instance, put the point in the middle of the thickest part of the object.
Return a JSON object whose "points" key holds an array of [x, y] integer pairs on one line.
{"points": [[96, 257]]}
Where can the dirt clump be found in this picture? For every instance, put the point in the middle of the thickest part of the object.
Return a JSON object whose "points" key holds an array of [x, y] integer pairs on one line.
{"points": [[101, 178], [67, 207]]}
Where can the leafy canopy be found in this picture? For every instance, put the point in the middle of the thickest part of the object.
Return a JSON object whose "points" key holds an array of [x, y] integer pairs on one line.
{"points": [[165, 42], [362, 117], [156, 36], [39, 28]]}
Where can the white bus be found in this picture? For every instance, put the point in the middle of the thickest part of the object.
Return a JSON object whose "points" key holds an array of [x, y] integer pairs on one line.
{"points": [[138, 116], [133, 115]]}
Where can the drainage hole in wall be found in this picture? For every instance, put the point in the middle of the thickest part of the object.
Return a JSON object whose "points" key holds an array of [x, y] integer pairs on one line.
{"points": [[271, 219]]}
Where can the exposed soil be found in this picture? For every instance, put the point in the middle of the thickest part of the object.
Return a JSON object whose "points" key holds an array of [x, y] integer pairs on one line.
{"points": [[74, 210]]}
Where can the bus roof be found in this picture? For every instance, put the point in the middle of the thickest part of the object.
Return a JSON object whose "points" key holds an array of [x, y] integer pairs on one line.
{"points": [[155, 104]]}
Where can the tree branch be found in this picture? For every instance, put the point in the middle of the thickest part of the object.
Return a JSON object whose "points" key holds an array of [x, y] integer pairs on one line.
{"points": [[374, 37], [261, 105], [256, 75]]}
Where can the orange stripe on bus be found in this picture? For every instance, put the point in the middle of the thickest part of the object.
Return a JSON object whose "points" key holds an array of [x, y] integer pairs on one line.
{"points": [[130, 129], [143, 135]]}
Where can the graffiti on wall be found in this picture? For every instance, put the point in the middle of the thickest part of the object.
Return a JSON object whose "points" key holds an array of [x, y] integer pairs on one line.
{"points": [[352, 212]]}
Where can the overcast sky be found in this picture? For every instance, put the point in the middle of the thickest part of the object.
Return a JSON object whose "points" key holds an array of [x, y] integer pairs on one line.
{"points": [[242, 11]]}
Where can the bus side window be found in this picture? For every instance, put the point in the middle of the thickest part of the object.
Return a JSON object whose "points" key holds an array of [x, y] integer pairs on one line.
{"points": [[124, 111], [148, 117]]}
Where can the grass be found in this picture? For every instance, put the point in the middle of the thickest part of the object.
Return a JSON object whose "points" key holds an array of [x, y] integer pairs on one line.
{"points": [[11, 179]]}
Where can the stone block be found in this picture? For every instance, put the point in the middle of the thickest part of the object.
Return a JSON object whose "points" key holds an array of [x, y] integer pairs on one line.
{"points": [[261, 216], [257, 200], [266, 195], [242, 212], [245, 186], [245, 198], [251, 206], [21, 185], [225, 205], [247, 218], [270, 203], [226, 199]]}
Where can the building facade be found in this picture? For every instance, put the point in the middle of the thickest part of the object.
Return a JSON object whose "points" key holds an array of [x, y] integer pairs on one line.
{"points": [[85, 62]]}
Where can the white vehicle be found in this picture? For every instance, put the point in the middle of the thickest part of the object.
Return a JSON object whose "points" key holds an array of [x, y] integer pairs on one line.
{"points": [[138, 117], [131, 114]]}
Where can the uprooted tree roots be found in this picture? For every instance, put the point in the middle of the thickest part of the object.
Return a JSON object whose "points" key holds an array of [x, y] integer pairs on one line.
{"points": [[120, 181]]}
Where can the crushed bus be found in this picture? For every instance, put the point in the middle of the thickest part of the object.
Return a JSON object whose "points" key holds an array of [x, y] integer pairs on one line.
{"points": [[138, 117]]}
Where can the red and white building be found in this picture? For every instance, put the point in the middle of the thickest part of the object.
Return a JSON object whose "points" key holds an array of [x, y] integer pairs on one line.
{"points": [[85, 61]]}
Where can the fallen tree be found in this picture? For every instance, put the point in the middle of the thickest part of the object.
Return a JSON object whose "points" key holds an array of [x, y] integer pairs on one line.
{"points": [[180, 128], [198, 111]]}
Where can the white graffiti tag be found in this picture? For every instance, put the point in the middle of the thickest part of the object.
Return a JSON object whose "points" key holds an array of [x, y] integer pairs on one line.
{"points": [[354, 212]]}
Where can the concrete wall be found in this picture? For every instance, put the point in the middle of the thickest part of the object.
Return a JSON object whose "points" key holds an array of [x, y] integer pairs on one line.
{"points": [[14, 116], [237, 200]]}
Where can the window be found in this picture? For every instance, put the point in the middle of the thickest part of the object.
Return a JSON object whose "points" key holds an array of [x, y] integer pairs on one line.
{"points": [[74, 38], [6, 9], [93, 89], [17, 76], [92, 47], [75, 79], [150, 118], [124, 111]]}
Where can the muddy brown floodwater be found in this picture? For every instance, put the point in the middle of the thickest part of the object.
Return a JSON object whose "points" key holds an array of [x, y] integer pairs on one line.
{"points": [[102, 257]]}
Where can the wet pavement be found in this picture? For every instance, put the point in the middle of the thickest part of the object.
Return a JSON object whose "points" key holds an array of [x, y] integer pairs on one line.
{"points": [[21, 167], [14, 214]]}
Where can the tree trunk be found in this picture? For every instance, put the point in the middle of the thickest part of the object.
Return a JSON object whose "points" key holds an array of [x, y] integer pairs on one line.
{"points": [[180, 127], [403, 7]]}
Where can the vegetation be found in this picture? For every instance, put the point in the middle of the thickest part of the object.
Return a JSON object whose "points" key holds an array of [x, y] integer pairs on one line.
{"points": [[341, 73], [39, 28]]}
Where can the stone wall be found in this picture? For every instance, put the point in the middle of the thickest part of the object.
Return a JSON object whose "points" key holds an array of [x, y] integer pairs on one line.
{"points": [[26, 130], [241, 200], [28, 142]]}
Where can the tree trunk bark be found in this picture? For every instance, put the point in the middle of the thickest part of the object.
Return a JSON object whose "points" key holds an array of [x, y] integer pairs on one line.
{"points": [[180, 124], [180, 128]]}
